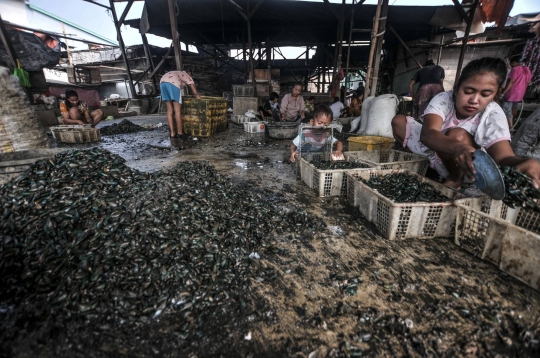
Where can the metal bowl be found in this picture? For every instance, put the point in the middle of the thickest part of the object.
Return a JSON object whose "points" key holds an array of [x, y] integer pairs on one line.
{"points": [[282, 130]]}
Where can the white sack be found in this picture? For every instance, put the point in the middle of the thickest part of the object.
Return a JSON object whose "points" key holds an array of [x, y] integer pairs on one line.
{"points": [[381, 111], [366, 105]]}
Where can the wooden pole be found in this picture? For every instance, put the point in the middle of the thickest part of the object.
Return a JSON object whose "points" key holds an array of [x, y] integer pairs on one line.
{"points": [[122, 49], [405, 46], [440, 50], [251, 67], [147, 52], [350, 40], [70, 60], [466, 38], [174, 32], [378, 49], [372, 47]]}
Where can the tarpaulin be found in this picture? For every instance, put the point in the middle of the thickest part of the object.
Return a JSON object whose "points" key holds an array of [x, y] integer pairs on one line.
{"points": [[33, 53]]}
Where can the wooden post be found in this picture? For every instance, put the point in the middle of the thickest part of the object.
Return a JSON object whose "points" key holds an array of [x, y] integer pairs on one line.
{"points": [[251, 67], [350, 40], [174, 32], [372, 48], [378, 48], [122, 49], [405, 46], [440, 50], [466, 38], [147, 52]]}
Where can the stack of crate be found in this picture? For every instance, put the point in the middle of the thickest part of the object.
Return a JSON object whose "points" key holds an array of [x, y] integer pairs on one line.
{"points": [[243, 101]]}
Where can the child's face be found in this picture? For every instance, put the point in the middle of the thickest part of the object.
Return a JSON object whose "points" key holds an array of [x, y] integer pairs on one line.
{"points": [[475, 94], [73, 100], [321, 121], [274, 100]]}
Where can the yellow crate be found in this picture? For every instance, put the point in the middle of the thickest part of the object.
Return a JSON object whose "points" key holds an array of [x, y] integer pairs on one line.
{"points": [[204, 117], [369, 143]]}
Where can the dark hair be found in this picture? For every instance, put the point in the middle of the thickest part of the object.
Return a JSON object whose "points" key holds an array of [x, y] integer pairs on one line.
{"points": [[429, 63], [322, 110], [310, 98], [274, 96], [70, 93], [515, 58], [336, 99], [484, 64], [298, 84]]}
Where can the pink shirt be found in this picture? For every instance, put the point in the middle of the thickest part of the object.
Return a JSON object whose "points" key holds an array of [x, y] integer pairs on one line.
{"points": [[290, 108], [179, 79], [522, 77]]}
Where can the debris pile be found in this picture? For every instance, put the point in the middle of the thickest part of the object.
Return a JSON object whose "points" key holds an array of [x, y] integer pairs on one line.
{"points": [[121, 128], [84, 237]]}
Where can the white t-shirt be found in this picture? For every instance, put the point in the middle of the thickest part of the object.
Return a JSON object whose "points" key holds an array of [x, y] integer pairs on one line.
{"points": [[487, 127], [336, 108]]}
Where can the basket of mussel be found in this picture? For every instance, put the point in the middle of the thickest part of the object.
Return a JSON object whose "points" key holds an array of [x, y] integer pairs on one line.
{"points": [[504, 232], [327, 177], [391, 159], [403, 204]]}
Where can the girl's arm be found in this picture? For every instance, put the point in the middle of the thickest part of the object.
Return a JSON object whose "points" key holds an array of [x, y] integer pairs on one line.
{"points": [[432, 137], [293, 153], [503, 155], [339, 148], [509, 85], [411, 88]]}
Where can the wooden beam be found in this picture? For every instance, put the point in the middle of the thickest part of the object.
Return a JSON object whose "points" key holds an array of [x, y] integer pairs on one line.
{"points": [[373, 44], [239, 9], [461, 10], [252, 12], [124, 14], [174, 32], [334, 11], [378, 48], [142, 75], [251, 67], [8, 45], [405, 46], [466, 38], [122, 49]]}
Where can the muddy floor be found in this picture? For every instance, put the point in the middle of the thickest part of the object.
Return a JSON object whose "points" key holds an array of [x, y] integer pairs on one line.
{"points": [[341, 292]]}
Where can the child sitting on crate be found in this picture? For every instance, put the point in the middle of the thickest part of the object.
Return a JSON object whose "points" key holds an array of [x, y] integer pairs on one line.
{"points": [[311, 141]]}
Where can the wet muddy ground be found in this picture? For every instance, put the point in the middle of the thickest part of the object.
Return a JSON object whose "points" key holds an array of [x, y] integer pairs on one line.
{"points": [[341, 292]]}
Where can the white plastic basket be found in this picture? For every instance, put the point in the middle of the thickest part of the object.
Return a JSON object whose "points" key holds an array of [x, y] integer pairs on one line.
{"points": [[391, 159], [254, 127], [324, 182], [507, 237], [403, 220]]}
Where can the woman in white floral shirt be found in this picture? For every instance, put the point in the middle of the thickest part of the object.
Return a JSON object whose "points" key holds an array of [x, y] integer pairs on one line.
{"points": [[458, 122]]}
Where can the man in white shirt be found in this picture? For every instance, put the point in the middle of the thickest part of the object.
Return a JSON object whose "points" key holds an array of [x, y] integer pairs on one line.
{"points": [[336, 107]]}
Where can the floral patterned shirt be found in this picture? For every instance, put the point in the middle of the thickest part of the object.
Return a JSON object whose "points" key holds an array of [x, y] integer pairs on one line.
{"points": [[487, 127]]}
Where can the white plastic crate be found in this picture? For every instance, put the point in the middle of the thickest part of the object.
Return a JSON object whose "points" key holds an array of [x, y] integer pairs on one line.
{"points": [[403, 220], [75, 133], [324, 182], [391, 159], [507, 237], [254, 127]]}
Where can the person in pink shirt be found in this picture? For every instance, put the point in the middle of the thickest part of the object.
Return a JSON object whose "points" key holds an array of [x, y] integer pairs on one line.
{"points": [[516, 84], [171, 86]]}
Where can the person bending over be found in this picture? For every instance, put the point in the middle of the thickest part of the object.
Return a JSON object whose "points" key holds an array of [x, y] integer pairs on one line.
{"points": [[458, 122]]}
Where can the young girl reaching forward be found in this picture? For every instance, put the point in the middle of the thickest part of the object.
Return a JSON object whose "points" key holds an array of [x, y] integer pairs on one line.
{"points": [[458, 122], [76, 112], [322, 116]]}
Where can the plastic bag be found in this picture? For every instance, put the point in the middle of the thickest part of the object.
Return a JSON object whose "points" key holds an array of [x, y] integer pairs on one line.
{"points": [[381, 111], [23, 76]]}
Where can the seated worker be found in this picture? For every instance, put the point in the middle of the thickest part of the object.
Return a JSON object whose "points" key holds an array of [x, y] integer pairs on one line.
{"points": [[76, 112], [271, 108], [292, 105], [322, 116], [336, 107], [310, 107], [458, 122], [355, 109]]}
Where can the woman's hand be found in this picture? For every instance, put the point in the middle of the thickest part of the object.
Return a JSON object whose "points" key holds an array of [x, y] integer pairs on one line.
{"points": [[463, 154], [531, 167]]}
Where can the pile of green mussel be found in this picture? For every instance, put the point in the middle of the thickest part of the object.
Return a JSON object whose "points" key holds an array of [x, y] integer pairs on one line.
{"points": [[519, 190], [85, 237], [121, 128], [338, 164], [405, 188]]}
